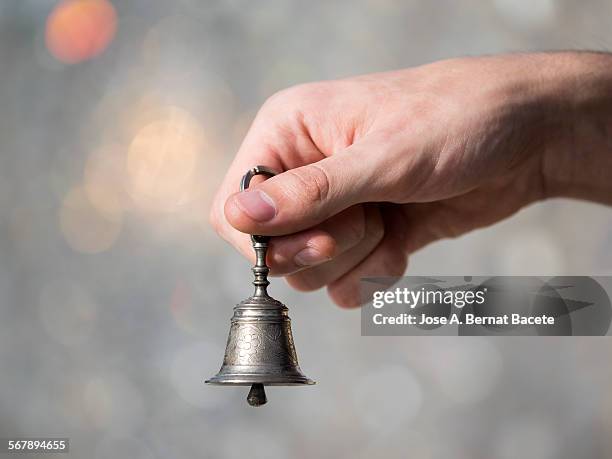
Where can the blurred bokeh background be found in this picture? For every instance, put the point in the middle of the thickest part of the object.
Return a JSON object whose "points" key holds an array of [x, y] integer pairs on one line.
{"points": [[117, 121]]}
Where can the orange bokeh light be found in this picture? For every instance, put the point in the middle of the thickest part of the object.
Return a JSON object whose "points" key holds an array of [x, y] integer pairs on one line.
{"points": [[78, 30], [162, 161]]}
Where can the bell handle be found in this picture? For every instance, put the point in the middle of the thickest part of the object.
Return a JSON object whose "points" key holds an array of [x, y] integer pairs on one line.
{"points": [[257, 170], [244, 184], [260, 243]]}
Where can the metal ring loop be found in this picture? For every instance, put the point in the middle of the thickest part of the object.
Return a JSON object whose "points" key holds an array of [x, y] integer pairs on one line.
{"points": [[257, 170], [244, 184]]}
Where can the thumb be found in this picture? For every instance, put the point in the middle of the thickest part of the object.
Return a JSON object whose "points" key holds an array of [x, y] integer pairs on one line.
{"points": [[305, 196]]}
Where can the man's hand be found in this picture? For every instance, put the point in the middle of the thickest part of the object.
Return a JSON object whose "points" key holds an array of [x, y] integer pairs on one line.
{"points": [[377, 166]]}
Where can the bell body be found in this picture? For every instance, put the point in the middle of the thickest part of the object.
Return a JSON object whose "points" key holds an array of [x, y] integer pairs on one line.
{"points": [[260, 350], [260, 347]]}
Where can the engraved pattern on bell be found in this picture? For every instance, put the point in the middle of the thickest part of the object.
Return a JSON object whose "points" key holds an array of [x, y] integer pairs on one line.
{"points": [[252, 344]]}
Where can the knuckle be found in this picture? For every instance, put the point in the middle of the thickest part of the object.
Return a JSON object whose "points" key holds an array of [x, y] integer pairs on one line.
{"points": [[284, 109], [301, 92], [297, 97], [273, 101], [313, 183], [289, 95], [275, 108], [320, 181]]}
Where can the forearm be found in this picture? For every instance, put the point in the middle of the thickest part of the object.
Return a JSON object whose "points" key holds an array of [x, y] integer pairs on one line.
{"points": [[578, 163]]}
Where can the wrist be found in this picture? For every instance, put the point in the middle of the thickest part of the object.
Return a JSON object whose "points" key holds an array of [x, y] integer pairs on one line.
{"points": [[577, 163]]}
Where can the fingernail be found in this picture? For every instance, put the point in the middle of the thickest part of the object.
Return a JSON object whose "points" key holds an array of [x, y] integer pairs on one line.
{"points": [[309, 257], [256, 204]]}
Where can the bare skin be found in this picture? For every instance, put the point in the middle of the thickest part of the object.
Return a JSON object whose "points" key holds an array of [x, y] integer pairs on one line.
{"points": [[378, 166]]}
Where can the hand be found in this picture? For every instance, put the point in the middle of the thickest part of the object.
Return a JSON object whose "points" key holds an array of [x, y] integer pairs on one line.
{"points": [[376, 167]]}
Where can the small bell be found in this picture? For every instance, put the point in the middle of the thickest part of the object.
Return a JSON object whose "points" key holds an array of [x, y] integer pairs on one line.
{"points": [[260, 349]]}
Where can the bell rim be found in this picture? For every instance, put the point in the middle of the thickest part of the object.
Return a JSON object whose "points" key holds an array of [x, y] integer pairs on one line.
{"points": [[230, 380], [234, 383]]}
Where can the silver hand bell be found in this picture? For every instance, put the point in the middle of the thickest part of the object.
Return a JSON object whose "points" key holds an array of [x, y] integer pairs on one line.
{"points": [[260, 348]]}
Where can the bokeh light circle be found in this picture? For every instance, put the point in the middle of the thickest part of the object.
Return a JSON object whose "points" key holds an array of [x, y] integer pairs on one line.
{"points": [[78, 30], [162, 160]]}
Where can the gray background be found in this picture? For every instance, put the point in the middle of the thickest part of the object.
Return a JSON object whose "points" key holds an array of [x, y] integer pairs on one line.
{"points": [[116, 296]]}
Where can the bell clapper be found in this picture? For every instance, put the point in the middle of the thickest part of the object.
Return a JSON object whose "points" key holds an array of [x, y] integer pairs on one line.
{"points": [[257, 395]]}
